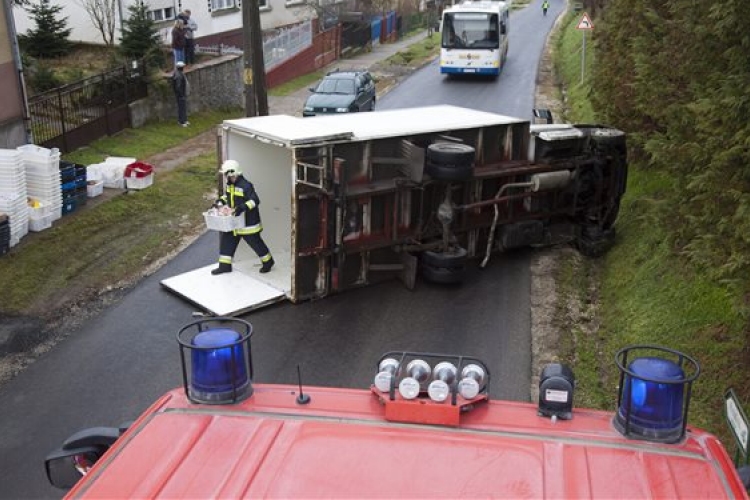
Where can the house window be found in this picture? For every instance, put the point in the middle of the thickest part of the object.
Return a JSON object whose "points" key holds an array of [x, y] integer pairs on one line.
{"points": [[165, 14], [222, 4]]}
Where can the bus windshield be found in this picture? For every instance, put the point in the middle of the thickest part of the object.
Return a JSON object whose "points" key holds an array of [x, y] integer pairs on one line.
{"points": [[476, 30]]}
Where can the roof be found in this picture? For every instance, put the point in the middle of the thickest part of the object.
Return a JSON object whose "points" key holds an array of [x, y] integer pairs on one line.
{"points": [[285, 130], [478, 6], [341, 446]]}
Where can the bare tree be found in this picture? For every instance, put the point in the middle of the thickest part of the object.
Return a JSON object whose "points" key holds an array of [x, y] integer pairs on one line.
{"points": [[103, 16]]}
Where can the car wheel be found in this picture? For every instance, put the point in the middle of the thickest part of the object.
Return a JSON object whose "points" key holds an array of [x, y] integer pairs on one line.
{"points": [[449, 153], [453, 258]]}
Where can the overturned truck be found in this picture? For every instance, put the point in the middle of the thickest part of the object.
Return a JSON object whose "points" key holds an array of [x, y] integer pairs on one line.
{"points": [[356, 199]]}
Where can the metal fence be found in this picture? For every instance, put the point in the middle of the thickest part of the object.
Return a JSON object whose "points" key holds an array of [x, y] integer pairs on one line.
{"points": [[283, 45], [76, 114]]}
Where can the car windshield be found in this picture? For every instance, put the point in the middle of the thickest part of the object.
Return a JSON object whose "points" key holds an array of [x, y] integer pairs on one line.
{"points": [[336, 86]]}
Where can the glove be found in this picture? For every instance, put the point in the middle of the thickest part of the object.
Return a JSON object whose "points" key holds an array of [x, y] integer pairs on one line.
{"points": [[218, 204]]}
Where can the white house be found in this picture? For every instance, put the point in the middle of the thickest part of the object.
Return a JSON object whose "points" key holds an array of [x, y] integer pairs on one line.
{"points": [[213, 17]]}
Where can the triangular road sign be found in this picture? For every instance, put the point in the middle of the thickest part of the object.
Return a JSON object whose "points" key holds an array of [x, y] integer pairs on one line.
{"points": [[585, 23]]}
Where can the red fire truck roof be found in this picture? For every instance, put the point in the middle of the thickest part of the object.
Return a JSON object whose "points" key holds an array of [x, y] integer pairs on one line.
{"points": [[340, 445]]}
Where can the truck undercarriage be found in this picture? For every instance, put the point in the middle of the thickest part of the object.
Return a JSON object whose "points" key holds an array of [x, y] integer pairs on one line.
{"points": [[437, 201]]}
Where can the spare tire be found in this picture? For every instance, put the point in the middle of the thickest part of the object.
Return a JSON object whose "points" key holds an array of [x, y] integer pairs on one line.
{"points": [[452, 259], [449, 172], [443, 275], [450, 153]]}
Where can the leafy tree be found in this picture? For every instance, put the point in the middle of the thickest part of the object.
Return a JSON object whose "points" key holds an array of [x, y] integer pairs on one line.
{"points": [[50, 38], [140, 38]]}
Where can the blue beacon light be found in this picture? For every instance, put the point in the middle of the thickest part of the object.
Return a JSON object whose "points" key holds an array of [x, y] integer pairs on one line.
{"points": [[220, 369], [654, 395]]}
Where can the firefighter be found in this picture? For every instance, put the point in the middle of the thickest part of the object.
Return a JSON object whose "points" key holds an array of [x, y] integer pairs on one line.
{"points": [[545, 6], [241, 196]]}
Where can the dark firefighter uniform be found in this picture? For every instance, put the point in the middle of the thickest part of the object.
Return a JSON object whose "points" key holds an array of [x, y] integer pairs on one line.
{"points": [[241, 196]]}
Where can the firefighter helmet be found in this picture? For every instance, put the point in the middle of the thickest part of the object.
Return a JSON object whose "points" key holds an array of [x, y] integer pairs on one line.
{"points": [[230, 166]]}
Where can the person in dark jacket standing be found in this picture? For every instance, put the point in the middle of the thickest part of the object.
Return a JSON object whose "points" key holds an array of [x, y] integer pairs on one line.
{"points": [[190, 27], [178, 41], [181, 89], [240, 195]]}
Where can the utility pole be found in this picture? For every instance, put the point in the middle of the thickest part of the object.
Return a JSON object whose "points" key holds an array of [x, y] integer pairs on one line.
{"points": [[256, 98]]}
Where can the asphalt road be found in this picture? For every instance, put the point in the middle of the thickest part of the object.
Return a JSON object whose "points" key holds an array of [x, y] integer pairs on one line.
{"points": [[117, 363]]}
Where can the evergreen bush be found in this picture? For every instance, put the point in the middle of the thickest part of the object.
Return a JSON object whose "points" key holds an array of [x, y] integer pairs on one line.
{"points": [[140, 39], [50, 37]]}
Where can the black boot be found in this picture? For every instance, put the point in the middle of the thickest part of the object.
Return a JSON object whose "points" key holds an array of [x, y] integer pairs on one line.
{"points": [[267, 265], [223, 268]]}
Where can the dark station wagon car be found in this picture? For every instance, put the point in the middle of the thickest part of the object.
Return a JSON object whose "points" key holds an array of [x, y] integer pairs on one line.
{"points": [[342, 92]]}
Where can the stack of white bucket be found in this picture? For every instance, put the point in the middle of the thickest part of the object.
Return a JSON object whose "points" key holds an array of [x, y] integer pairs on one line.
{"points": [[13, 194], [42, 168]]}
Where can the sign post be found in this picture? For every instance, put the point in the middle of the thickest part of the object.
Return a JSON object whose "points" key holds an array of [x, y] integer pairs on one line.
{"points": [[584, 25], [738, 424]]}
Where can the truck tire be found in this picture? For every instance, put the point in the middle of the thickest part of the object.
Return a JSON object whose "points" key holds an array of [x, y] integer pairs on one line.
{"points": [[452, 259], [450, 154], [607, 139], [594, 242], [443, 275], [449, 172]]}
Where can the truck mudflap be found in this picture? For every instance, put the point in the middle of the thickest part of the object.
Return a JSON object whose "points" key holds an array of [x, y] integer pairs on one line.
{"points": [[228, 294]]}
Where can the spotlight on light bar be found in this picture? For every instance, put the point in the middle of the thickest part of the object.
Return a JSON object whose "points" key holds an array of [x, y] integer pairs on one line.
{"points": [[386, 371], [444, 375], [417, 373], [472, 380]]}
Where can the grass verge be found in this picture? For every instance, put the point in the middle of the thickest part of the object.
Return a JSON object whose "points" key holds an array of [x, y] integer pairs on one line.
{"points": [[112, 242], [641, 292]]}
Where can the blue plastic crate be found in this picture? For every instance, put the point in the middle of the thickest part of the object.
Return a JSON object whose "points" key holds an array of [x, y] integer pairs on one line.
{"points": [[69, 204]]}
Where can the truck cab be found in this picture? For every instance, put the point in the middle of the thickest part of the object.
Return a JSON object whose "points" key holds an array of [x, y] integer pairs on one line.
{"points": [[425, 428]]}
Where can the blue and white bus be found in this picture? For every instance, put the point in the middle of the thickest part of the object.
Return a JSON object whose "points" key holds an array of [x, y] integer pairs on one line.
{"points": [[474, 38]]}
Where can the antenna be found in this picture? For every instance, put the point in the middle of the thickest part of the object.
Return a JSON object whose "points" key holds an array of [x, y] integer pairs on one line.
{"points": [[302, 398]]}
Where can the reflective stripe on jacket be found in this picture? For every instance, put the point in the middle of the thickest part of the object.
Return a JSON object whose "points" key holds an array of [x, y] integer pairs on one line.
{"points": [[242, 197]]}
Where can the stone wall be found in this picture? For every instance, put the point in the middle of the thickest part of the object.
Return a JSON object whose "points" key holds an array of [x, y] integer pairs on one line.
{"points": [[215, 84]]}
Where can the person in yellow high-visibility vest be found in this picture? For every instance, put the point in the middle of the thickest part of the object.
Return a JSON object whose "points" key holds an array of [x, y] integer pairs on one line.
{"points": [[545, 6], [241, 196]]}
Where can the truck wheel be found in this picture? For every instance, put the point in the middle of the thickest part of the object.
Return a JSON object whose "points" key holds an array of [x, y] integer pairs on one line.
{"points": [[449, 153], [594, 242], [449, 172], [443, 275], [451, 259], [609, 139]]}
